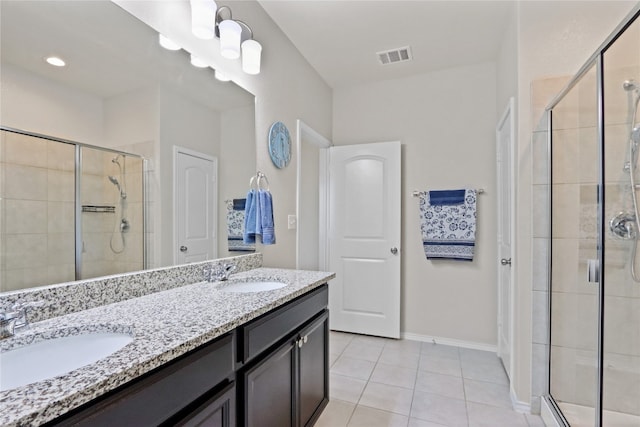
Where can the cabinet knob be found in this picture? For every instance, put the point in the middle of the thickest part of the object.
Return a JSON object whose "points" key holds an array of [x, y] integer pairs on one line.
{"points": [[305, 339], [300, 343], [394, 250], [183, 249]]}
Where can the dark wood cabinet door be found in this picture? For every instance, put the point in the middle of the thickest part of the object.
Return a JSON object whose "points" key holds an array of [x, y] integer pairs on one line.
{"points": [[269, 391], [219, 411], [313, 359]]}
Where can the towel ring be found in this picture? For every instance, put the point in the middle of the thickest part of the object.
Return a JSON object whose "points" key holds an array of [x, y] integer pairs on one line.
{"points": [[255, 181]]}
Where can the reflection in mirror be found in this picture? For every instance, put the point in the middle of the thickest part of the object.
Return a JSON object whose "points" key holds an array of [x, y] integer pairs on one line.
{"points": [[118, 91]]}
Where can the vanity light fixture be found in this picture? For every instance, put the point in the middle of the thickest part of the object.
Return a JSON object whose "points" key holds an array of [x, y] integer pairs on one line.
{"points": [[55, 61], [221, 76], [198, 62], [167, 43], [203, 18], [236, 40]]}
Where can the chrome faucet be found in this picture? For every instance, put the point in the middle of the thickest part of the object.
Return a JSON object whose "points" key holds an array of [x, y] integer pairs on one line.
{"points": [[16, 318], [219, 272]]}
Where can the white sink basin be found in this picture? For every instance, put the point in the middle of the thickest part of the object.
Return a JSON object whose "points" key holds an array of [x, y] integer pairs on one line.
{"points": [[50, 358], [256, 286]]}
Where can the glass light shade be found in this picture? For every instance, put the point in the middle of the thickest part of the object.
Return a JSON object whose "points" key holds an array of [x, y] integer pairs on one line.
{"points": [[230, 32], [167, 43], [251, 52], [203, 18], [198, 62], [222, 76]]}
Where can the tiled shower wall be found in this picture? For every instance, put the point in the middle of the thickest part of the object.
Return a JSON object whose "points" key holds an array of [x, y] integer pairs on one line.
{"points": [[36, 211], [575, 312]]}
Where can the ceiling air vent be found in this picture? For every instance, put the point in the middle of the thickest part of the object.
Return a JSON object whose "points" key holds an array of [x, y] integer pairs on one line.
{"points": [[395, 55]]}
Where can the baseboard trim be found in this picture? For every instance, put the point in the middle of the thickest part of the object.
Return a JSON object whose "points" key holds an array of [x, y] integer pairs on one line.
{"points": [[449, 341], [519, 405]]}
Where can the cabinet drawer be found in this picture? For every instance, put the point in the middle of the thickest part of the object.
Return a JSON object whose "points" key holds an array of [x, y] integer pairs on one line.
{"points": [[159, 395], [265, 331]]}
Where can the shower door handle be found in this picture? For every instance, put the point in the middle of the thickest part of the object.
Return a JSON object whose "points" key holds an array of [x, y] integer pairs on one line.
{"points": [[593, 270]]}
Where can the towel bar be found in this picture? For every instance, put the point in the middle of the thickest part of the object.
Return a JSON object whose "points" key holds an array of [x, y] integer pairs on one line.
{"points": [[417, 193]]}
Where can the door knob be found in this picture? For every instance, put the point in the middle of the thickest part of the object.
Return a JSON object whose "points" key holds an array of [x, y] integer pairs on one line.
{"points": [[183, 249], [505, 261], [394, 250]]}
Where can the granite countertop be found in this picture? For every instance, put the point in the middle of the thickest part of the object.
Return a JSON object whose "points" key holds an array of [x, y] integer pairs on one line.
{"points": [[164, 325]]}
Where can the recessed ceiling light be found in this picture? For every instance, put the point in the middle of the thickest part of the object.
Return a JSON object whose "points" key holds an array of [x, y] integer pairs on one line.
{"points": [[55, 61]]}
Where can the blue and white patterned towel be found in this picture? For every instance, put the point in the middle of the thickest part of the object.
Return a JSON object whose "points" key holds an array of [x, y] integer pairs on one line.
{"points": [[235, 227], [449, 227]]}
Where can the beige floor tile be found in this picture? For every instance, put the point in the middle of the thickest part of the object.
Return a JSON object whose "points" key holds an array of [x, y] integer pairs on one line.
{"points": [[439, 409], [387, 398], [336, 414], [490, 416], [407, 346], [399, 357], [367, 339], [440, 365], [487, 393], [416, 422], [440, 350], [443, 385], [345, 388], [368, 417], [363, 350], [350, 367], [484, 371], [394, 375]]}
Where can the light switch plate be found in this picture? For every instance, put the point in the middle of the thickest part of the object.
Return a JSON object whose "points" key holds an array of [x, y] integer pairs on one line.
{"points": [[292, 222]]}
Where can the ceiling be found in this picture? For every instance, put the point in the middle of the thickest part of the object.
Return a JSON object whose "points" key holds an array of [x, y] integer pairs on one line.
{"points": [[340, 38], [108, 52]]}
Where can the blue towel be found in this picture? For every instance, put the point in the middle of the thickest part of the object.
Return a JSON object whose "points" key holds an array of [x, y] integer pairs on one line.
{"points": [[265, 203], [249, 235], [446, 197], [448, 229]]}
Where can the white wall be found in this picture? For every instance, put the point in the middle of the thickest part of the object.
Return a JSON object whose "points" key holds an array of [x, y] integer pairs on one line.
{"points": [[445, 121], [39, 105], [554, 38], [237, 163]]}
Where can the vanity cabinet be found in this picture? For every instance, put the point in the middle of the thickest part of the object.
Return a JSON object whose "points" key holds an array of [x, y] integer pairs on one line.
{"points": [[196, 384], [287, 385], [272, 371]]}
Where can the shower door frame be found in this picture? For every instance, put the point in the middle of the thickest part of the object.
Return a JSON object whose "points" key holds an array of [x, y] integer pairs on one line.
{"points": [[77, 195], [596, 60]]}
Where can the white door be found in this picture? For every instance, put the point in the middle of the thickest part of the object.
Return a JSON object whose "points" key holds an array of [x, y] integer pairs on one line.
{"points": [[364, 238], [506, 185], [195, 206]]}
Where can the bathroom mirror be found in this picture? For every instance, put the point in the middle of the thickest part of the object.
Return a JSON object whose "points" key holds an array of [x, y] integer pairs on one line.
{"points": [[119, 90]]}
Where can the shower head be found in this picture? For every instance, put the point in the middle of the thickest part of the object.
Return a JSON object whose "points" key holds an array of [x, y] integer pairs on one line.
{"points": [[630, 85], [115, 182], [635, 134]]}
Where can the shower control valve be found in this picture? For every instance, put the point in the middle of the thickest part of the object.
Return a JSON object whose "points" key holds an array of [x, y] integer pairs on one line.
{"points": [[623, 225]]}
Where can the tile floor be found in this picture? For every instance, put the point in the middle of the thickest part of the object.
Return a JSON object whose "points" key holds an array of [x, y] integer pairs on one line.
{"points": [[384, 382]]}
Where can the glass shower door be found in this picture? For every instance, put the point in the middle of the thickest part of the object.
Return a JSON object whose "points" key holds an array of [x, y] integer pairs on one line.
{"points": [[621, 340], [575, 223]]}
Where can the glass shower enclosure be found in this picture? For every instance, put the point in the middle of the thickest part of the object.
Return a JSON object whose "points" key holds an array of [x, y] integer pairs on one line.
{"points": [[68, 211], [594, 145]]}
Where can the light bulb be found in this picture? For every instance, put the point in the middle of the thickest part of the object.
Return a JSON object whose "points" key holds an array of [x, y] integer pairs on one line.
{"points": [[203, 18], [251, 52], [230, 32]]}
